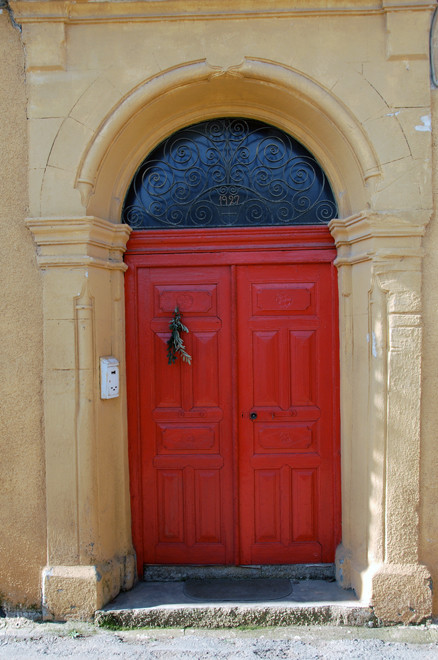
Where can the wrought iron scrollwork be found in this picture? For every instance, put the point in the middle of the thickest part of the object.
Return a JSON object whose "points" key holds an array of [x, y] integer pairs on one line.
{"points": [[229, 172]]}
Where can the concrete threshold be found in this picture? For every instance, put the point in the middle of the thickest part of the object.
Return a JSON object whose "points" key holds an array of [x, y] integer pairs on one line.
{"points": [[177, 573], [165, 604]]}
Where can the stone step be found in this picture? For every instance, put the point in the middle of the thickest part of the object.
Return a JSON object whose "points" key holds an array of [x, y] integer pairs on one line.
{"points": [[166, 604]]}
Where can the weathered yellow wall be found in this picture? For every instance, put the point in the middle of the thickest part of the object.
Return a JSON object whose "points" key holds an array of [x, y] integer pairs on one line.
{"points": [[101, 92], [429, 418], [22, 491], [429, 447]]}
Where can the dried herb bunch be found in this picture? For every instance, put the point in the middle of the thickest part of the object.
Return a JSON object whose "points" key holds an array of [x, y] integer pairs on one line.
{"points": [[175, 345]]}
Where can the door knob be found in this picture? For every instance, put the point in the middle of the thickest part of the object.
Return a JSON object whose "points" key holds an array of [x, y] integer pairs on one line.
{"points": [[253, 415]]}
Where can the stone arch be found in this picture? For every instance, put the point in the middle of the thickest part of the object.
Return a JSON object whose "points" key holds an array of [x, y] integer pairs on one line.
{"points": [[195, 91]]}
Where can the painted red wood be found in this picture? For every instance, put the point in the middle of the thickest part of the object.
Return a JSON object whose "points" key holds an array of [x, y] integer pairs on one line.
{"points": [[298, 239], [208, 484], [185, 418], [285, 357]]}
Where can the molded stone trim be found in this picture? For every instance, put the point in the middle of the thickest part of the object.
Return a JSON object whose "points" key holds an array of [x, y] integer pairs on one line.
{"points": [[354, 164], [87, 241], [364, 236], [70, 11]]}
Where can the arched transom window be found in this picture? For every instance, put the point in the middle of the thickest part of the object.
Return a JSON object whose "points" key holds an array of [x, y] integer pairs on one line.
{"points": [[229, 172]]}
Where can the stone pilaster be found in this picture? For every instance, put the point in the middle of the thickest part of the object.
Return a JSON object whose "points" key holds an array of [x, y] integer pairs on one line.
{"points": [[379, 261], [90, 556]]}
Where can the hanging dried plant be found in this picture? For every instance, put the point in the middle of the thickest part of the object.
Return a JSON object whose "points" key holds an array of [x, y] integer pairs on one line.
{"points": [[175, 345]]}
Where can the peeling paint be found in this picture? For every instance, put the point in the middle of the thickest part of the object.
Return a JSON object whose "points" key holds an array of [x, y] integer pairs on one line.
{"points": [[393, 114], [426, 126]]}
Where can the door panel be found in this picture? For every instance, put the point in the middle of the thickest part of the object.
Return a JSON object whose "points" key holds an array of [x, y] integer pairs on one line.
{"points": [[186, 417], [285, 357]]}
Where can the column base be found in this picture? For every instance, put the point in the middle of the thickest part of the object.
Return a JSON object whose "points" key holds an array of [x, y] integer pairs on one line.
{"points": [[76, 592], [401, 593]]}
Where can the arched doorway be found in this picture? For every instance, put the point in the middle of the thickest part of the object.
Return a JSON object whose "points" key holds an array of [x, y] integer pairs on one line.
{"points": [[234, 450]]}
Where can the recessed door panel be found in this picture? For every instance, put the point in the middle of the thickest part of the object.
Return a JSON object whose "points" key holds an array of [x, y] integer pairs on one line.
{"points": [[303, 366], [267, 353]]}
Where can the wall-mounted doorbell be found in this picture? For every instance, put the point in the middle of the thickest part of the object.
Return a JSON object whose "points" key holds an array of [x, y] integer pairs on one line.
{"points": [[109, 377]]}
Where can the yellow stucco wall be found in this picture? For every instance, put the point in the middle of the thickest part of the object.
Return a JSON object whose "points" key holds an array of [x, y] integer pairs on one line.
{"points": [[105, 82], [22, 498], [429, 447]]}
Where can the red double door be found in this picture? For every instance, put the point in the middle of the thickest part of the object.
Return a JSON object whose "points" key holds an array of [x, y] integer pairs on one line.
{"points": [[234, 458]]}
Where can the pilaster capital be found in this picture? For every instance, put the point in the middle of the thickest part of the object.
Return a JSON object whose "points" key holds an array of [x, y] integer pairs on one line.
{"points": [[378, 237], [79, 242]]}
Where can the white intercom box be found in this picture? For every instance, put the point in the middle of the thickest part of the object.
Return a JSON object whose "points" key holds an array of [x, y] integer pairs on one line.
{"points": [[109, 377]]}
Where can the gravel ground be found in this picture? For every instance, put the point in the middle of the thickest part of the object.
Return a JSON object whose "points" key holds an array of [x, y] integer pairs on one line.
{"points": [[21, 638]]}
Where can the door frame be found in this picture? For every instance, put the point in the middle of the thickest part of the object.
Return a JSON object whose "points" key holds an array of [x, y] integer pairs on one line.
{"points": [[79, 250], [264, 245]]}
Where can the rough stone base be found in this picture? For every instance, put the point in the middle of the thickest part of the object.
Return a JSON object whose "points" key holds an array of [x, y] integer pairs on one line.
{"points": [[402, 594], [10, 611], [176, 573], [234, 616], [76, 592]]}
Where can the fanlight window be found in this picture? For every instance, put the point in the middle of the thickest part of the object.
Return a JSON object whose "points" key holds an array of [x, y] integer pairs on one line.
{"points": [[229, 173]]}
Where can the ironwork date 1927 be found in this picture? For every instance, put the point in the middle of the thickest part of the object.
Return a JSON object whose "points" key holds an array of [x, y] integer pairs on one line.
{"points": [[228, 200]]}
